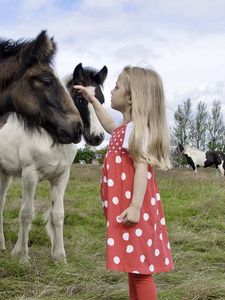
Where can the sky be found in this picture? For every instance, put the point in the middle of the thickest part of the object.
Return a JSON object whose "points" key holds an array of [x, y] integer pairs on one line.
{"points": [[184, 41]]}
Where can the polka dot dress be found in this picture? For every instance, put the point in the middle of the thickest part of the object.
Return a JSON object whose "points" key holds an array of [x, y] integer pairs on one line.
{"points": [[143, 248]]}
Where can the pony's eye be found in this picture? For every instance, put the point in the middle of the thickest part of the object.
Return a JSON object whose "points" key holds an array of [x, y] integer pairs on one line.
{"points": [[47, 81]]}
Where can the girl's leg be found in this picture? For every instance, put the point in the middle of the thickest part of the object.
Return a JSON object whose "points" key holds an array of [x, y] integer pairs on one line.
{"points": [[144, 287], [132, 288]]}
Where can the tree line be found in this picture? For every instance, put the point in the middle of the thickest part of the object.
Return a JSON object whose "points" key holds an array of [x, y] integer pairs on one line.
{"points": [[87, 154], [199, 128], [202, 129]]}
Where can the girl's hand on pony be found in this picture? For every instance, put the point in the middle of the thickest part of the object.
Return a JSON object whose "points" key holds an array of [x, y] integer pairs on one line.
{"points": [[130, 216], [87, 92]]}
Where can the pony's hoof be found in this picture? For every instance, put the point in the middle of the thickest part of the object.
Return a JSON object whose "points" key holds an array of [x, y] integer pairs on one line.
{"points": [[2, 244], [60, 260], [21, 253], [25, 260]]}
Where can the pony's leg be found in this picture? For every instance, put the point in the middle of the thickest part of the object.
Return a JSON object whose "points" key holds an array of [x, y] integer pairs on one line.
{"points": [[4, 185], [55, 217], [221, 169], [29, 182]]}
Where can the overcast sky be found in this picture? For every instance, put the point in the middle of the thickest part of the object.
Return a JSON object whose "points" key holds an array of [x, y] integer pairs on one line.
{"points": [[183, 40]]}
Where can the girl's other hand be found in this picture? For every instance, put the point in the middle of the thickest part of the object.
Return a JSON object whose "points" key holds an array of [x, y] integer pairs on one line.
{"points": [[130, 216], [87, 92]]}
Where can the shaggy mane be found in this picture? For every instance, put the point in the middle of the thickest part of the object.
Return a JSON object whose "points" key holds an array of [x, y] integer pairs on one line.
{"points": [[9, 48]]}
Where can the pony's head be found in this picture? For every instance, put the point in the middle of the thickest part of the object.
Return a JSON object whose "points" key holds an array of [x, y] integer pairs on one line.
{"points": [[88, 77], [29, 87]]}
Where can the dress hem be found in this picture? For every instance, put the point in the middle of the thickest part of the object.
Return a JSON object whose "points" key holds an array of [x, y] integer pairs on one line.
{"points": [[144, 272]]}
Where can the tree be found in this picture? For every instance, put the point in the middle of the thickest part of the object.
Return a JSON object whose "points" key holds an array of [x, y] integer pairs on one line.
{"points": [[216, 128], [102, 152], [199, 127], [183, 123], [85, 154]]}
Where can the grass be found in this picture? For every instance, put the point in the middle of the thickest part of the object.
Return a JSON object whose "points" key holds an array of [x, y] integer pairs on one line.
{"points": [[194, 206]]}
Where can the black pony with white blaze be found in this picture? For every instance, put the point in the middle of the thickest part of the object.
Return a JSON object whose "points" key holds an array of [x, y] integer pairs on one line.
{"points": [[93, 131], [39, 125], [206, 159]]}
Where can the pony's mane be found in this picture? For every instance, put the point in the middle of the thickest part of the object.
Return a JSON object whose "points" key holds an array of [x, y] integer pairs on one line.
{"points": [[90, 72], [9, 48], [41, 49], [87, 77]]}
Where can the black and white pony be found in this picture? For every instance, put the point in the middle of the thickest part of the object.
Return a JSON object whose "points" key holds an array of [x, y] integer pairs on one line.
{"points": [[38, 126], [93, 131], [206, 159]]}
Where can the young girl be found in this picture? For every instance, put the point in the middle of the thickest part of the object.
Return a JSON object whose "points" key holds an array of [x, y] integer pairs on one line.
{"points": [[137, 241]]}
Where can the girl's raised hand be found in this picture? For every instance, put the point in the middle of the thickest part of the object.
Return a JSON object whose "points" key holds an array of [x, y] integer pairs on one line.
{"points": [[87, 92]]}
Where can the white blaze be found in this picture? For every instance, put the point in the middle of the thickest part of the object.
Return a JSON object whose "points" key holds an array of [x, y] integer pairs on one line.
{"points": [[96, 127]]}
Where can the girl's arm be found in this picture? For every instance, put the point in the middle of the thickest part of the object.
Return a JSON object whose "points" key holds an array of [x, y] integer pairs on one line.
{"points": [[103, 116], [131, 215]]}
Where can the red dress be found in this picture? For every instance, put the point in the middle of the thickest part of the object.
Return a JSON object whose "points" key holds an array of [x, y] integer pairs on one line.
{"points": [[143, 248]]}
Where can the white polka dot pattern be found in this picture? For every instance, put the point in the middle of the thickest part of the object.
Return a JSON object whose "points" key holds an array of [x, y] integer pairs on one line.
{"points": [[149, 242], [115, 200], [151, 268], [162, 221], [157, 252], [146, 216], [118, 159], [126, 236], [110, 242], [123, 176], [110, 182], [119, 220], [138, 232], [144, 247], [153, 201], [128, 194], [116, 260], [149, 175], [142, 258], [130, 249]]}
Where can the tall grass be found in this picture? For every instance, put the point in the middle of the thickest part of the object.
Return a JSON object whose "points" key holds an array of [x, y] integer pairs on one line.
{"points": [[194, 206]]}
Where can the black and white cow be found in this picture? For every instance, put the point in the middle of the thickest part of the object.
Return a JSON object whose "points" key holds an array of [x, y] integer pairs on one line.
{"points": [[206, 159]]}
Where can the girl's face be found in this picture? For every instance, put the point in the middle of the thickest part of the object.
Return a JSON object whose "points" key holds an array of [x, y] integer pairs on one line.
{"points": [[119, 99]]}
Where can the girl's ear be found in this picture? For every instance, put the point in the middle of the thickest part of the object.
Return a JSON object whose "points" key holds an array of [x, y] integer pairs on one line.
{"points": [[129, 101]]}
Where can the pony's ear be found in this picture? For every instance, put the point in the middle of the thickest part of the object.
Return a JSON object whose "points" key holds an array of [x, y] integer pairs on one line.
{"points": [[101, 75], [42, 50], [78, 71]]}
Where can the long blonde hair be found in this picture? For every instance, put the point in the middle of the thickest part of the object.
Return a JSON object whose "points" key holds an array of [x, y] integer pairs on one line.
{"points": [[148, 114]]}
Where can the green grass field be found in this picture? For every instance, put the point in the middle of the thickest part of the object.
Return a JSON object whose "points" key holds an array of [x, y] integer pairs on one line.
{"points": [[194, 206]]}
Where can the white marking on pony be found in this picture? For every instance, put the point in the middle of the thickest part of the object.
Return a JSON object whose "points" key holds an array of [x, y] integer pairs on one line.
{"points": [[204, 159], [96, 127], [34, 157], [220, 167], [198, 157]]}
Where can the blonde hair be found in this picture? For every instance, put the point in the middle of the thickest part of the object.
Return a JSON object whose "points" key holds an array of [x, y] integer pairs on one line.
{"points": [[147, 111]]}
